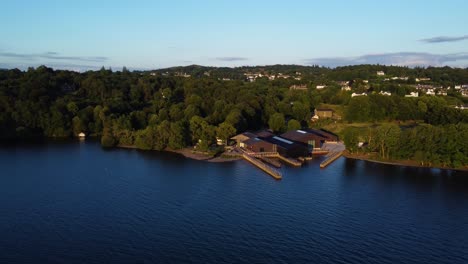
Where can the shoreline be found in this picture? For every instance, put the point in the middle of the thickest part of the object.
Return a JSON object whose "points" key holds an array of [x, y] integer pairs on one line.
{"points": [[406, 163], [191, 154]]}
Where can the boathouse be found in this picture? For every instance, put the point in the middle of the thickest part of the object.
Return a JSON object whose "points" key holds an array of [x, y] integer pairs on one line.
{"points": [[259, 145], [287, 147], [311, 138], [241, 138]]}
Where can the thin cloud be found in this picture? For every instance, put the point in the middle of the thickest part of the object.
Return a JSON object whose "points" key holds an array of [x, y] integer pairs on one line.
{"points": [[411, 59], [232, 58], [61, 66], [51, 56], [441, 39]]}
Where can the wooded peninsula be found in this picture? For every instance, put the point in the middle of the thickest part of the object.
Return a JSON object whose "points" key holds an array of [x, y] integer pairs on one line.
{"points": [[388, 112]]}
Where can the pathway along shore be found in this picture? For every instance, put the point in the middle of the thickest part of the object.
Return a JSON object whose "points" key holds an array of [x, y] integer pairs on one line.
{"points": [[404, 163], [189, 153]]}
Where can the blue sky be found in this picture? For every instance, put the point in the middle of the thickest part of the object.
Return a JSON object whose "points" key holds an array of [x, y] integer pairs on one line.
{"points": [[153, 34]]}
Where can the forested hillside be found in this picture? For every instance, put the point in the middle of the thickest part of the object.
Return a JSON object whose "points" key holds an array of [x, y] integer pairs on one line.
{"points": [[183, 106]]}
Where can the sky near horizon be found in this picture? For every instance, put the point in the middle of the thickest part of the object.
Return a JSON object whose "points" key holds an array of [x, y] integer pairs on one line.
{"points": [[139, 34]]}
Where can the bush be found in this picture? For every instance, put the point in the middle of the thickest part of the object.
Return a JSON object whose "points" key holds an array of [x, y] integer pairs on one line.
{"points": [[108, 141]]}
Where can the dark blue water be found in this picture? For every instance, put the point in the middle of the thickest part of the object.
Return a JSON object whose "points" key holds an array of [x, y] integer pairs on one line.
{"points": [[77, 203]]}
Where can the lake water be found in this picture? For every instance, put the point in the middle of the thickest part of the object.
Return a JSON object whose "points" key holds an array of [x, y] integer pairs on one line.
{"points": [[74, 202]]}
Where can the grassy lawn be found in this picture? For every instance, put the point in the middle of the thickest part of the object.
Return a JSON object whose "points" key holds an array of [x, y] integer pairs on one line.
{"points": [[337, 126]]}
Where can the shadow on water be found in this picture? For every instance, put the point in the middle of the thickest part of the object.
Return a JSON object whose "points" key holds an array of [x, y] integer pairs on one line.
{"points": [[62, 199], [413, 177]]}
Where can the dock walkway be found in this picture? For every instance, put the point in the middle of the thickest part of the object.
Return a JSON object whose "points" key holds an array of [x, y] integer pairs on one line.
{"points": [[290, 161], [268, 169], [271, 161], [331, 158]]}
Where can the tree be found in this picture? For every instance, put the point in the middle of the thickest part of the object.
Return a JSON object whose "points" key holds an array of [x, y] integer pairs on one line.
{"points": [[107, 141], [293, 124], [225, 131], [358, 109], [77, 125], [351, 138], [72, 108], [387, 139], [276, 122], [178, 137], [145, 139], [300, 111], [163, 133]]}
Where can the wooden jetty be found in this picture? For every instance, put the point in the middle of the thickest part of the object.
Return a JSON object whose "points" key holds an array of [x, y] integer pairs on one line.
{"points": [[331, 158], [273, 162], [290, 161], [268, 169]]}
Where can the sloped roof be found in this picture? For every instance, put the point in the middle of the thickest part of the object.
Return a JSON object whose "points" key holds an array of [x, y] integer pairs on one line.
{"points": [[282, 142], [253, 141], [301, 135], [245, 135]]}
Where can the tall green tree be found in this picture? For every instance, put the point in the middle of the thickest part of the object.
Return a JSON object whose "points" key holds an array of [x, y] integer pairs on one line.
{"points": [[225, 131], [276, 122]]}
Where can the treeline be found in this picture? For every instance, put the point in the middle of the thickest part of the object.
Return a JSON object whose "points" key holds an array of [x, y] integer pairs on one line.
{"points": [[445, 76], [433, 110], [158, 111], [429, 145], [130, 108]]}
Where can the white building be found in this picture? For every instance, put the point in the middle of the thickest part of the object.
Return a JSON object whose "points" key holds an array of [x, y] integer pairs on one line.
{"points": [[356, 94], [422, 79], [380, 73], [385, 93], [319, 87], [346, 88], [430, 92], [412, 94]]}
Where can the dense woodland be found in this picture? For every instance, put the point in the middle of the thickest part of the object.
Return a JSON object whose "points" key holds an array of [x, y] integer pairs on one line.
{"points": [[159, 110]]}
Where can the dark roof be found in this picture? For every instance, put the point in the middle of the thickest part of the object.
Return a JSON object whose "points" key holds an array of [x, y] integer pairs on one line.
{"points": [[253, 141], [264, 133], [250, 135], [282, 142], [301, 135], [245, 134], [328, 133]]}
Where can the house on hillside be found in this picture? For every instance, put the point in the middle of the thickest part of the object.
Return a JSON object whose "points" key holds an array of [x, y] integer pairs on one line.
{"points": [[380, 73], [430, 92], [323, 113], [302, 87], [412, 94], [346, 88], [358, 94], [320, 87], [385, 93], [422, 79]]}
